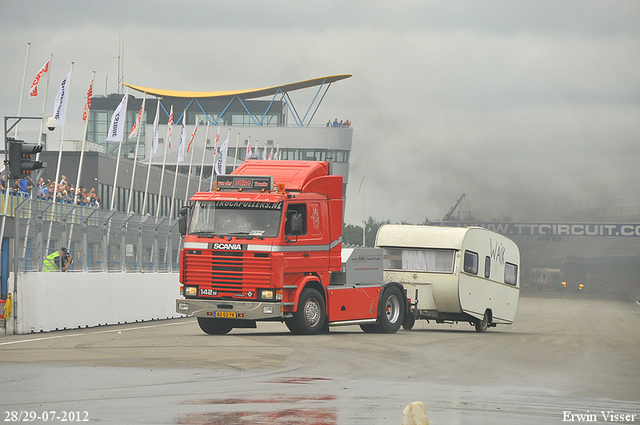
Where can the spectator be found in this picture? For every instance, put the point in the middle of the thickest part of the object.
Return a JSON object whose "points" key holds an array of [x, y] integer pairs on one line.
{"points": [[57, 261], [23, 184], [335, 122]]}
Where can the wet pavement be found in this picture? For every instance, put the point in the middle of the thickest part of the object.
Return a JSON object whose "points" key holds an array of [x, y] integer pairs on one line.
{"points": [[566, 357]]}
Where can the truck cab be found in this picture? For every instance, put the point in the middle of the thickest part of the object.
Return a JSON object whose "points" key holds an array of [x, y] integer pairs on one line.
{"points": [[264, 245]]}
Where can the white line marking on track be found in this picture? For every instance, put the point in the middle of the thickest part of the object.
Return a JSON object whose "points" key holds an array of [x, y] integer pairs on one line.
{"points": [[93, 333]]}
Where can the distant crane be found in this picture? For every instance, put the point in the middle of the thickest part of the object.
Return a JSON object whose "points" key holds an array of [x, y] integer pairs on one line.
{"points": [[448, 216]]}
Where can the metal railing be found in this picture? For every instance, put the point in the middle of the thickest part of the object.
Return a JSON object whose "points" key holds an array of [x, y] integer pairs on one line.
{"points": [[98, 240]]}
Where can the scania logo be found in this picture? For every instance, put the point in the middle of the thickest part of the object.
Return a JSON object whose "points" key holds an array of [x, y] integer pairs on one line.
{"points": [[233, 246]]}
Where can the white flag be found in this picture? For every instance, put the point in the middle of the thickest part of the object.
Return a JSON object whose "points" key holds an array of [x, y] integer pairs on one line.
{"points": [[183, 140], [264, 152], [116, 131], [60, 104], [221, 162], [277, 155], [271, 154], [249, 152], [156, 130]]}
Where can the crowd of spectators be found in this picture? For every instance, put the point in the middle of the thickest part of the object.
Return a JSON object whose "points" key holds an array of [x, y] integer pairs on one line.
{"points": [[66, 193], [335, 123]]}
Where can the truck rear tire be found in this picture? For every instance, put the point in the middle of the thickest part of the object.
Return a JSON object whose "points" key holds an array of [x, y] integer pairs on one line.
{"points": [[213, 326], [310, 316], [391, 314]]}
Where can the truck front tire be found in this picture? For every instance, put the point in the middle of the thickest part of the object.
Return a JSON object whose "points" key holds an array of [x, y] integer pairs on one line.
{"points": [[213, 326], [310, 316]]}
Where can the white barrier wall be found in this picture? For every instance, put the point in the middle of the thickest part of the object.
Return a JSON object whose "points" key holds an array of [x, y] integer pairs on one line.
{"points": [[54, 301]]}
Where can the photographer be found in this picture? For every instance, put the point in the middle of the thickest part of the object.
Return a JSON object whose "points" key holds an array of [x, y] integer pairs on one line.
{"points": [[57, 261]]}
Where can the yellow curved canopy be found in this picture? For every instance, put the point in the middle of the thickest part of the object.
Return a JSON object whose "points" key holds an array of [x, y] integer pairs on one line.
{"points": [[245, 94]]}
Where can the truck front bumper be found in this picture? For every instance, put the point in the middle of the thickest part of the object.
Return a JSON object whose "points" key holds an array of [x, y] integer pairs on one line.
{"points": [[244, 310]]}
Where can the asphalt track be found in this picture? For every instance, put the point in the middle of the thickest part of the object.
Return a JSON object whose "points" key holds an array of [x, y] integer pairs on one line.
{"points": [[567, 356]]}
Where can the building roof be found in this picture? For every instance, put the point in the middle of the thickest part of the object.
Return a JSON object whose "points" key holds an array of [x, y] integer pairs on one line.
{"points": [[244, 94]]}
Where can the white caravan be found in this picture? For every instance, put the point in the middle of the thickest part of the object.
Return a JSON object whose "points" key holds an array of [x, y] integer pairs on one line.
{"points": [[453, 274]]}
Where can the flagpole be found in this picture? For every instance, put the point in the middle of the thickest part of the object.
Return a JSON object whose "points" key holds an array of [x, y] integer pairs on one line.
{"points": [[44, 105], [223, 162], [237, 147], [164, 160], [84, 143], [24, 78], [64, 123], [364, 223], [180, 147], [193, 140], [135, 155], [62, 108], [123, 104], [153, 140], [34, 190], [204, 154]]}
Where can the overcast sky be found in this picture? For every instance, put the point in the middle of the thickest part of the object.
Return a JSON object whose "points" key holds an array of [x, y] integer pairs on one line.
{"points": [[525, 106]]}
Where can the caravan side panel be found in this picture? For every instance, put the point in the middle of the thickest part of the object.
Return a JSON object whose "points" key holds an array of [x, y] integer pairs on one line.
{"points": [[495, 285]]}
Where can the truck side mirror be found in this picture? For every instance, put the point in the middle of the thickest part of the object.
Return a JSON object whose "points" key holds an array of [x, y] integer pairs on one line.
{"points": [[183, 220], [297, 224]]}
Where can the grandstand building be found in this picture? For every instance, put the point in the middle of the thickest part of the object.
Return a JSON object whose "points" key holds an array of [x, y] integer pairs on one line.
{"points": [[265, 119]]}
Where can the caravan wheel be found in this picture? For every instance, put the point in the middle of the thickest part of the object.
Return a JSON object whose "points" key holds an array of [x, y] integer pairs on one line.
{"points": [[482, 325]]}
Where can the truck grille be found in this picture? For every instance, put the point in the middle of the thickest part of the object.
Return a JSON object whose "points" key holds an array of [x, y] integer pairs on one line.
{"points": [[228, 270]]}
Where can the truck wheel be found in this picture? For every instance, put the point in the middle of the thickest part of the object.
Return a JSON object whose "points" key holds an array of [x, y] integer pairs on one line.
{"points": [[482, 325], [214, 326], [409, 321], [310, 316], [392, 313]]}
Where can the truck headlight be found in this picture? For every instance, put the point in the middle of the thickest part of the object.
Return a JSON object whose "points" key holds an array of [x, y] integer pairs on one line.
{"points": [[190, 291], [270, 294], [266, 294]]}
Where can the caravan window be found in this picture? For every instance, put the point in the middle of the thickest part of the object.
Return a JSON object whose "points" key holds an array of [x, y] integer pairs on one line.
{"points": [[471, 262], [423, 260], [487, 267], [511, 274]]}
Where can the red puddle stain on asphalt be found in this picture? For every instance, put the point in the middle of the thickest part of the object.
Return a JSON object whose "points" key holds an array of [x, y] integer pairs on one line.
{"points": [[296, 380], [281, 417], [275, 399], [285, 415]]}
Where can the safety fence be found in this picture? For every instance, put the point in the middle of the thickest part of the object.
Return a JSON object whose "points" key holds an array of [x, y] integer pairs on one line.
{"points": [[98, 240]]}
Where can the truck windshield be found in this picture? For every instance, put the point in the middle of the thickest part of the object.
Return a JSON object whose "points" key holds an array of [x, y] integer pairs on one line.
{"points": [[223, 218]]}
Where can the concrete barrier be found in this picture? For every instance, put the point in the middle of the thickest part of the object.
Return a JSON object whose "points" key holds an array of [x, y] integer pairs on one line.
{"points": [[53, 301]]}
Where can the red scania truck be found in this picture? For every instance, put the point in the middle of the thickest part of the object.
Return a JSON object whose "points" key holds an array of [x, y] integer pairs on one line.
{"points": [[266, 245]]}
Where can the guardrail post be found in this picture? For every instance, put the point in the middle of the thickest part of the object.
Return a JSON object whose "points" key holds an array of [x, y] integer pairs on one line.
{"points": [[156, 246], [39, 239]]}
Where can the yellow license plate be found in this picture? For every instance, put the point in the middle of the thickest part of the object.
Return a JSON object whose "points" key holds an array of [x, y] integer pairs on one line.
{"points": [[225, 314]]}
